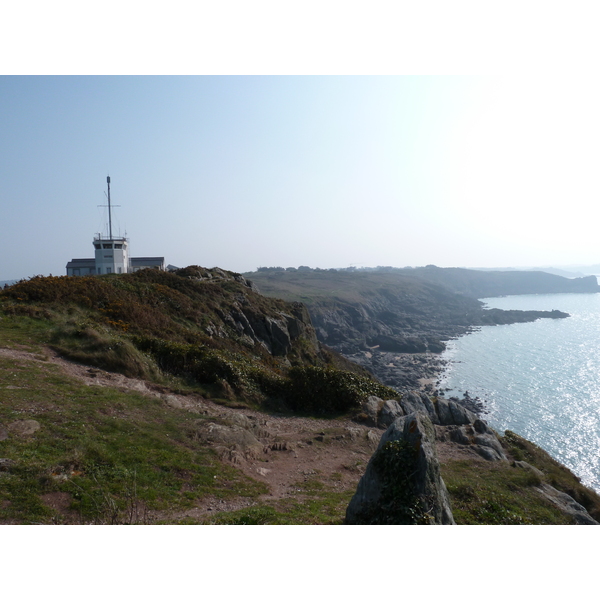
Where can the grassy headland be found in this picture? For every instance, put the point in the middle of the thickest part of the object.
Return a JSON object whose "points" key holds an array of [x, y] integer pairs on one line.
{"points": [[228, 384]]}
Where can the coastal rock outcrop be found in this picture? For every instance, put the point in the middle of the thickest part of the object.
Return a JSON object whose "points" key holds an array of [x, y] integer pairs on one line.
{"points": [[440, 411], [454, 422], [402, 483], [251, 320], [567, 505], [376, 316]]}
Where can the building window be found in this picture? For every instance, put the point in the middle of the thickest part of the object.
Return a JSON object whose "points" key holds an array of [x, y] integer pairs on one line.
{"points": [[97, 246], [108, 269], [119, 270], [118, 246], [75, 271], [107, 246], [108, 256]]}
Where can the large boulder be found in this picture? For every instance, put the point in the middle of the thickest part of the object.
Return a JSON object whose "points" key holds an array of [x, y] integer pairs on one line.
{"points": [[371, 407], [414, 402], [451, 413], [402, 483]]}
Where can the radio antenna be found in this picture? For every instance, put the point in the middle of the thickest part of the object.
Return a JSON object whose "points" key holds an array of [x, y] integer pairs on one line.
{"points": [[109, 210]]}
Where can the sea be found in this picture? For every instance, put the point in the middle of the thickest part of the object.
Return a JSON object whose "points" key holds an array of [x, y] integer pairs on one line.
{"points": [[540, 379]]}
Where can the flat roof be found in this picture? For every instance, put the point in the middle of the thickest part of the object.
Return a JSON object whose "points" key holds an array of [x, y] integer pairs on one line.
{"points": [[148, 259], [82, 262]]}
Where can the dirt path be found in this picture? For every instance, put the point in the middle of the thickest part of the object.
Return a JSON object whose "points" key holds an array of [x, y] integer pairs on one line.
{"points": [[294, 450]]}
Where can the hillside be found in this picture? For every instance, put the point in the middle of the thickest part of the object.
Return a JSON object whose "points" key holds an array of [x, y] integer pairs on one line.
{"points": [[191, 398], [379, 318], [487, 284]]}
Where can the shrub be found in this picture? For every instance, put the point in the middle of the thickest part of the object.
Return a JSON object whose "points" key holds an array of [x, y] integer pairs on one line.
{"points": [[326, 391], [101, 349]]}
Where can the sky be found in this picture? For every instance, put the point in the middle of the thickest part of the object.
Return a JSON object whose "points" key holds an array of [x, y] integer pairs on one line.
{"points": [[241, 137], [325, 171]]}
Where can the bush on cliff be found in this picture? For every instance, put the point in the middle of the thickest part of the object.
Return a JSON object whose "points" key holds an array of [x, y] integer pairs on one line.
{"points": [[324, 391]]}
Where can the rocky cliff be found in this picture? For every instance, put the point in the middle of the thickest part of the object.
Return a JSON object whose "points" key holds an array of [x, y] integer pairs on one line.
{"points": [[376, 317]]}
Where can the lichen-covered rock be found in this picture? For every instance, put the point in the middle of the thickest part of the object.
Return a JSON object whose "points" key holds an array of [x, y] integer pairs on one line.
{"points": [[480, 426], [402, 483], [389, 412], [411, 402], [371, 407], [414, 402], [430, 406], [460, 414], [486, 443], [459, 436], [443, 411], [231, 442], [451, 413], [489, 446]]}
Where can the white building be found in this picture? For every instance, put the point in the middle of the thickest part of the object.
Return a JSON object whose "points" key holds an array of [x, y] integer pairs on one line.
{"points": [[112, 255]]}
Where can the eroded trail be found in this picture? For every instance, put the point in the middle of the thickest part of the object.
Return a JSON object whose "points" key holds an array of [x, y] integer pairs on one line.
{"points": [[289, 454]]}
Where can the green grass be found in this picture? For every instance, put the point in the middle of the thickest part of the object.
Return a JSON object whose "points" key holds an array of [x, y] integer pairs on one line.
{"points": [[499, 493], [24, 332], [555, 474], [496, 493], [314, 502], [112, 452]]}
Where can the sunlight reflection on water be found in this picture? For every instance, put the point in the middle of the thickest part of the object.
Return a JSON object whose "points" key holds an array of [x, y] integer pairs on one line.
{"points": [[541, 379]]}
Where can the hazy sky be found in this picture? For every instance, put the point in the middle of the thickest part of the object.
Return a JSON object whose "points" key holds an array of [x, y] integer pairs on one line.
{"points": [[326, 171]]}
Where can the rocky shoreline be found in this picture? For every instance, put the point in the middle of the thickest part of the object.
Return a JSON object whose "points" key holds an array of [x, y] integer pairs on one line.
{"points": [[406, 372], [402, 371]]}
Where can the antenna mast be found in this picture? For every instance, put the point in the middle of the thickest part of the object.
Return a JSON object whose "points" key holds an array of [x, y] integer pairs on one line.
{"points": [[110, 237], [109, 211]]}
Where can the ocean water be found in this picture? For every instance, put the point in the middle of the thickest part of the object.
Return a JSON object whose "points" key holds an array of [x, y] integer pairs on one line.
{"points": [[541, 379]]}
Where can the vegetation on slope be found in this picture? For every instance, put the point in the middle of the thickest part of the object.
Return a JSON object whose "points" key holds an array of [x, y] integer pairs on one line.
{"points": [[107, 456], [499, 493], [216, 335], [103, 455]]}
